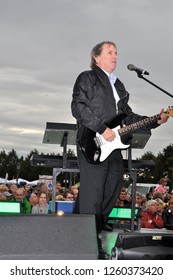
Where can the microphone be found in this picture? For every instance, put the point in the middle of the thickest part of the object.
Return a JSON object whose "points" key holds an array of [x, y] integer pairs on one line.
{"points": [[139, 71]]}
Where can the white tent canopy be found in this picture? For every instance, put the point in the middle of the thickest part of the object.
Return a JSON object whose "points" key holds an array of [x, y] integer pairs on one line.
{"points": [[14, 181]]}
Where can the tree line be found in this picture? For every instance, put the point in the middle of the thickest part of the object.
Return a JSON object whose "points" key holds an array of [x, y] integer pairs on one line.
{"points": [[15, 166]]}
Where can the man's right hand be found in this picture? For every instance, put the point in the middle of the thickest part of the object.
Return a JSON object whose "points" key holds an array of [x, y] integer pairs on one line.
{"points": [[109, 134]]}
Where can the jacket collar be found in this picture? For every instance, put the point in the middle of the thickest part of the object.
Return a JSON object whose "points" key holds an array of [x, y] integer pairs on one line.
{"points": [[103, 77], [106, 83]]}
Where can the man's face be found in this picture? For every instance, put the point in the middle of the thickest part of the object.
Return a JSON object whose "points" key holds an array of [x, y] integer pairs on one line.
{"points": [[19, 195], [123, 196], [107, 60], [33, 199]]}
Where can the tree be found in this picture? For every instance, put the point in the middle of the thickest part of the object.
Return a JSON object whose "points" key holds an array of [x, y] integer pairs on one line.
{"points": [[13, 165], [164, 163], [8, 163], [163, 166], [31, 172]]}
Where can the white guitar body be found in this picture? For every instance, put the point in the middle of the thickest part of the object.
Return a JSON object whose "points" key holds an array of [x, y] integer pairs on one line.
{"points": [[108, 147], [96, 149]]}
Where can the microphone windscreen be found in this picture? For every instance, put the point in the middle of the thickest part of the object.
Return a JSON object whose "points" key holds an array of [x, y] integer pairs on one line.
{"points": [[130, 67]]}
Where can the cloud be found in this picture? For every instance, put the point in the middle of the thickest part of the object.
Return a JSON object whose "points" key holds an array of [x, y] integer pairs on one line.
{"points": [[45, 44]]}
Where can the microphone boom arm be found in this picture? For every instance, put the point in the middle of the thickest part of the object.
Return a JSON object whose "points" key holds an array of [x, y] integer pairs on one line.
{"points": [[142, 77]]}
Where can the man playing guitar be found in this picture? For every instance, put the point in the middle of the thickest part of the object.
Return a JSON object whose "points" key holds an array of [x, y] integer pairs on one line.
{"points": [[98, 98]]}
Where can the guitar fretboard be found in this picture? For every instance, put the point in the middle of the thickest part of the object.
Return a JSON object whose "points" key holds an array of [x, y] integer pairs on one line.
{"points": [[137, 125]]}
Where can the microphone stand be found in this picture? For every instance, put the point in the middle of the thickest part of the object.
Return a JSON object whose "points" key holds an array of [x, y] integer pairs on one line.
{"points": [[142, 77]]}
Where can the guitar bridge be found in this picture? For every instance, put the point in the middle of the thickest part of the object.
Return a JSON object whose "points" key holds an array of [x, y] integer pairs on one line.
{"points": [[97, 142]]}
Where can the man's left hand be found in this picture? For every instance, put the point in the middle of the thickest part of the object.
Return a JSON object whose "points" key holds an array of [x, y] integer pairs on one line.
{"points": [[163, 117]]}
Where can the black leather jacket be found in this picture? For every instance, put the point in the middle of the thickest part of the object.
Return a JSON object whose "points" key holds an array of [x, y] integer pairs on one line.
{"points": [[93, 103]]}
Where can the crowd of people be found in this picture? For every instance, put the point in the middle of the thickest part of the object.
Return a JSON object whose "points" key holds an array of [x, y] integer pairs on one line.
{"points": [[36, 199], [156, 209]]}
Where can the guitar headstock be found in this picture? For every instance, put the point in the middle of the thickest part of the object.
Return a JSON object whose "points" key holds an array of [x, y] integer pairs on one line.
{"points": [[169, 111]]}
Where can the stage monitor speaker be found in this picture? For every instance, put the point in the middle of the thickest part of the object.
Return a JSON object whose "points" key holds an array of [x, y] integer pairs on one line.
{"points": [[48, 237], [144, 245]]}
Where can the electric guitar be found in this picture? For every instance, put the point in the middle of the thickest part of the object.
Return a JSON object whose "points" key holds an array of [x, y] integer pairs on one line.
{"points": [[96, 149]]}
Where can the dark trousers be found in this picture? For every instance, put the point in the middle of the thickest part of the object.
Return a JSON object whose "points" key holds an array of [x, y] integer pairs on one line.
{"points": [[100, 186]]}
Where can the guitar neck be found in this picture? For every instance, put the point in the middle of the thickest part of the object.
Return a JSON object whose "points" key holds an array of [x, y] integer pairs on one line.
{"points": [[137, 125]]}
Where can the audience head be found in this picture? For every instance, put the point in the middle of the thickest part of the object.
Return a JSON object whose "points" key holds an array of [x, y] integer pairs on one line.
{"points": [[3, 189], [13, 188], [149, 195], [59, 197], [158, 195], [138, 198], [170, 204], [123, 194], [163, 181], [33, 199], [43, 197], [143, 202], [151, 205], [58, 187], [19, 194], [74, 190], [160, 205], [43, 187], [25, 186], [4, 192], [68, 196]]}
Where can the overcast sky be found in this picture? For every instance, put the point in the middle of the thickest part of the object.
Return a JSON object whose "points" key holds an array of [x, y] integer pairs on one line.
{"points": [[45, 44]]}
